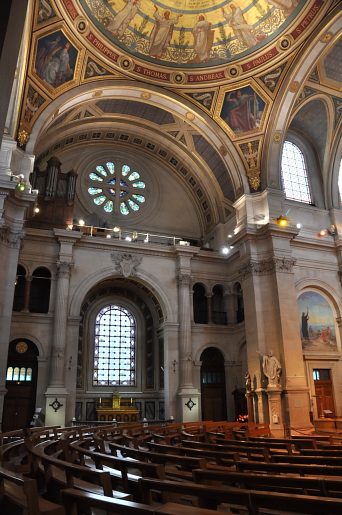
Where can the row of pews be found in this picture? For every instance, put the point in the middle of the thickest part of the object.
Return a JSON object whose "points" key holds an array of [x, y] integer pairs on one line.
{"points": [[180, 469]]}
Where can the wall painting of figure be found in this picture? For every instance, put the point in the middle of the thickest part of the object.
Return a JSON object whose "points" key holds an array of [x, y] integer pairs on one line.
{"points": [[242, 110], [317, 323], [55, 59]]}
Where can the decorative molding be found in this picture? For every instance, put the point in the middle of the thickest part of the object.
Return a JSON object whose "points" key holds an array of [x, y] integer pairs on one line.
{"points": [[56, 405], [11, 238], [267, 266], [125, 264]]}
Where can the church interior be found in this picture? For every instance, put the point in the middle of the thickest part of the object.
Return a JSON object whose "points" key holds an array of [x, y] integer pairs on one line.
{"points": [[170, 212]]}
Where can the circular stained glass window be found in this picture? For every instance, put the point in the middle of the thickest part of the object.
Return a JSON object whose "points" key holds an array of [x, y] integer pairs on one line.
{"points": [[116, 188]]}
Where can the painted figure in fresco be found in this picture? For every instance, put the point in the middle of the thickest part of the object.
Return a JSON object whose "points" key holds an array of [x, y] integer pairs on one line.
{"points": [[204, 37], [241, 28], [32, 106], [123, 18], [241, 111], [305, 324], [285, 5], [162, 32], [46, 52], [57, 70], [271, 368]]}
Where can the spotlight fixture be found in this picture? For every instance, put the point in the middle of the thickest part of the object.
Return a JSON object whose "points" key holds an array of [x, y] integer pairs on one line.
{"points": [[36, 210], [299, 226], [282, 221], [225, 251], [128, 238], [323, 232], [108, 236], [116, 229], [81, 222]]}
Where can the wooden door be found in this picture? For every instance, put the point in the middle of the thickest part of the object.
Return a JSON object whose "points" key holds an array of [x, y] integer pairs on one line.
{"points": [[213, 385], [21, 385], [323, 392]]}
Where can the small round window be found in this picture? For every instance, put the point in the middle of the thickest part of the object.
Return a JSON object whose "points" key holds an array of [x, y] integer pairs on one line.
{"points": [[116, 188]]}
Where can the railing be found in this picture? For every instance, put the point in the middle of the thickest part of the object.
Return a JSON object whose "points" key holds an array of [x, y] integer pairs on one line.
{"points": [[129, 235]]}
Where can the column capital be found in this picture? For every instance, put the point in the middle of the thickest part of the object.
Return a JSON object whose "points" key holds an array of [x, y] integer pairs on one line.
{"points": [[267, 266], [184, 279], [64, 268], [11, 238]]}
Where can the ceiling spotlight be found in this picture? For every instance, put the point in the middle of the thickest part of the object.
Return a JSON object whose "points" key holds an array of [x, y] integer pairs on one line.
{"points": [[36, 209], [323, 232], [108, 236], [81, 222], [116, 229], [299, 226], [225, 251], [128, 238], [230, 235]]}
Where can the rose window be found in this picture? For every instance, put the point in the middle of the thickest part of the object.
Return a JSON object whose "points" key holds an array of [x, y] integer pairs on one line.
{"points": [[116, 188]]}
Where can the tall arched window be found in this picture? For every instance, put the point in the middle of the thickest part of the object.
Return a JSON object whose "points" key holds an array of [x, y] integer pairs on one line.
{"points": [[19, 292], [294, 174], [340, 182], [115, 346]]}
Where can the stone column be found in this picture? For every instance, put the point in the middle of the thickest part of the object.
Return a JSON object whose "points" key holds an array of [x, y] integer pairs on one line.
{"points": [[56, 393], [270, 302], [171, 369], [230, 302], [188, 395]]}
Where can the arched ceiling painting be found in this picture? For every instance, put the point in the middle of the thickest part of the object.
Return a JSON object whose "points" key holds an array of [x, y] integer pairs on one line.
{"points": [[226, 58]]}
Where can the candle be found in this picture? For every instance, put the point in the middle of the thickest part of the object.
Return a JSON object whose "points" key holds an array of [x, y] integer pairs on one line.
{"points": [[100, 401], [131, 401]]}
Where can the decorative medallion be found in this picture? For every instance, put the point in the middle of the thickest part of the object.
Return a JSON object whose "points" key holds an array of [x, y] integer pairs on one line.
{"points": [[125, 264], [21, 347], [56, 405], [190, 404]]}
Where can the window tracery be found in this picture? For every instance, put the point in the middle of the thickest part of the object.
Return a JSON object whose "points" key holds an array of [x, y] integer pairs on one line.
{"points": [[116, 188], [115, 347]]}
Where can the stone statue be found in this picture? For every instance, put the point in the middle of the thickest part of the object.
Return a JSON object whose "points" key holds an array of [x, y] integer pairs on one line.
{"points": [[271, 368], [248, 382]]}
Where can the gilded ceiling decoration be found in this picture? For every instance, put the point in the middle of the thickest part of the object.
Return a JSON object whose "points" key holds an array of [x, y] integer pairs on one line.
{"points": [[191, 33]]}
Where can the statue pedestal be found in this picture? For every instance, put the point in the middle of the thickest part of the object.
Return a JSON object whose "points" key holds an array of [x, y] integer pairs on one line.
{"points": [[275, 410]]}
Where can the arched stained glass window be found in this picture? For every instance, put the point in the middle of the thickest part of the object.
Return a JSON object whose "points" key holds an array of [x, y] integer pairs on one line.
{"points": [[9, 374], [294, 174], [114, 349], [116, 188], [340, 182]]}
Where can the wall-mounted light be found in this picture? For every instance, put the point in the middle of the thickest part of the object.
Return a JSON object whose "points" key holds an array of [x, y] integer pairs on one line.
{"points": [[81, 222], [299, 226], [282, 221], [116, 229], [36, 210], [225, 251]]}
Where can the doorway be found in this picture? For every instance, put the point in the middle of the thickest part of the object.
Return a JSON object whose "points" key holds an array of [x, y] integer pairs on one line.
{"points": [[324, 392], [21, 385], [213, 385]]}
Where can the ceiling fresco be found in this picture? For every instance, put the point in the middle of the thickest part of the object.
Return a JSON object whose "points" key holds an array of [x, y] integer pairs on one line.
{"points": [[191, 33]]}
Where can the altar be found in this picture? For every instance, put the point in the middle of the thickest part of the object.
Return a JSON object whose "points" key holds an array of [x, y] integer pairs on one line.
{"points": [[120, 410]]}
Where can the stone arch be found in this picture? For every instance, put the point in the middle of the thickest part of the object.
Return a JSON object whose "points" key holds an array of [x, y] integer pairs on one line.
{"points": [[99, 276], [289, 90]]}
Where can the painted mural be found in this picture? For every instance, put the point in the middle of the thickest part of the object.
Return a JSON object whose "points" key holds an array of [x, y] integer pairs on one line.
{"points": [[317, 323], [191, 32], [242, 110], [55, 59]]}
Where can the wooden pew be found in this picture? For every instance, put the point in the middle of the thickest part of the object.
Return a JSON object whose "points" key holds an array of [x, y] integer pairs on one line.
{"points": [[323, 486], [244, 450], [18, 490], [301, 469], [175, 465], [253, 500], [192, 452], [65, 474], [126, 468], [74, 500]]}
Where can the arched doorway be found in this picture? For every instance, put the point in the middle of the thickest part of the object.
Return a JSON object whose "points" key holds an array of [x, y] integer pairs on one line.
{"points": [[213, 385], [21, 384]]}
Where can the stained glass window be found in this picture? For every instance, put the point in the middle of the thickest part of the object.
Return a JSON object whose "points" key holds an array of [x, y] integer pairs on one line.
{"points": [[294, 174], [114, 349], [116, 188]]}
